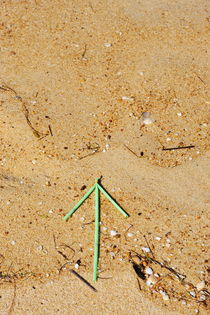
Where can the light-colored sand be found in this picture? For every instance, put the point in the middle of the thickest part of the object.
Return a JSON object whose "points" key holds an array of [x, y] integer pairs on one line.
{"points": [[68, 64]]}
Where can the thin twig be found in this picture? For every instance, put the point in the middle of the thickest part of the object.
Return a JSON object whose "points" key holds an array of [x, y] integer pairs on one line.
{"points": [[179, 148], [131, 151]]}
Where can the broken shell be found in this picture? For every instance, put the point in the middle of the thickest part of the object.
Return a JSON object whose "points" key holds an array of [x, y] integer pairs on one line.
{"points": [[151, 281], [148, 270], [200, 286], [146, 249], [113, 233], [146, 118], [165, 296]]}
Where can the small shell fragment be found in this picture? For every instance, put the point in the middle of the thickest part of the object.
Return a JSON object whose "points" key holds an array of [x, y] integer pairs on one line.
{"points": [[200, 286], [151, 281], [146, 118], [129, 234], [148, 270], [146, 249], [165, 296], [113, 233]]}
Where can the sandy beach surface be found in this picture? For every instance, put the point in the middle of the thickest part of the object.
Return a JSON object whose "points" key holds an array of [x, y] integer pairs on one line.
{"points": [[75, 79]]}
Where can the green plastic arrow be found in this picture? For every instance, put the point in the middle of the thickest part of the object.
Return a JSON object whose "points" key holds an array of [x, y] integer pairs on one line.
{"points": [[97, 187]]}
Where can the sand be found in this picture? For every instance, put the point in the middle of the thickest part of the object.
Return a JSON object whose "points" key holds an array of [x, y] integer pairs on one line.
{"points": [[75, 78]]}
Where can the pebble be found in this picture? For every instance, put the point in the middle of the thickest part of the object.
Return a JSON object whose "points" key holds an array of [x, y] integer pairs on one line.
{"points": [[113, 233], [148, 270], [146, 249], [200, 286]]}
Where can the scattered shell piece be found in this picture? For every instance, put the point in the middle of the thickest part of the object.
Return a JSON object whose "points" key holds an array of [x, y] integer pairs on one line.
{"points": [[113, 233], [184, 302], [8, 202], [107, 45], [179, 114], [105, 228], [192, 293], [190, 158], [127, 98], [202, 298], [148, 270], [200, 286], [168, 139], [157, 238], [146, 249], [13, 242], [33, 161], [140, 72], [151, 281], [107, 146], [168, 240], [112, 254], [40, 247], [129, 234], [165, 296], [76, 266], [50, 211], [146, 118], [168, 245]]}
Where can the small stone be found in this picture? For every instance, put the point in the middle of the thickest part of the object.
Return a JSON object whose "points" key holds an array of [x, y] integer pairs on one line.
{"points": [[200, 286], [113, 233], [146, 249], [148, 270]]}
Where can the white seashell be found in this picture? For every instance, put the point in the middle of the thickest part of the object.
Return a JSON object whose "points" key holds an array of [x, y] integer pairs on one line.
{"points": [[179, 114], [13, 242], [76, 266], [146, 118]]}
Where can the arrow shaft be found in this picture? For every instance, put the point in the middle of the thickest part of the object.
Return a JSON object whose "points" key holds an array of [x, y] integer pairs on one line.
{"points": [[79, 203], [112, 201], [97, 232]]}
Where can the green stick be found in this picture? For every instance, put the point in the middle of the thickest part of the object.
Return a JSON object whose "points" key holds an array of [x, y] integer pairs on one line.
{"points": [[79, 203], [97, 232], [113, 202]]}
